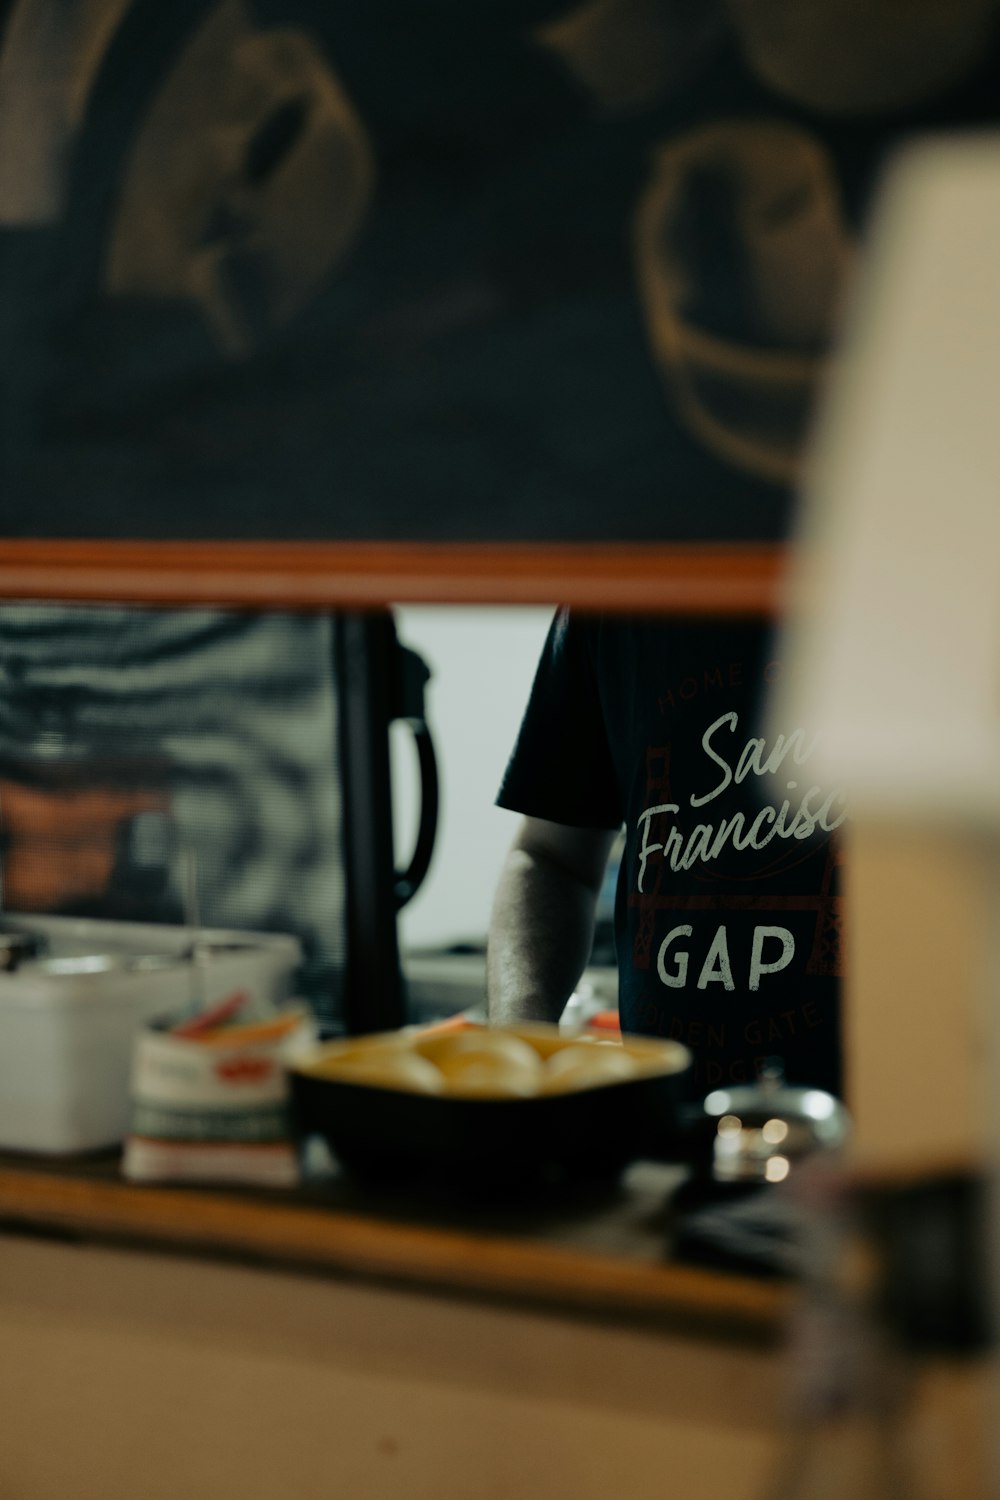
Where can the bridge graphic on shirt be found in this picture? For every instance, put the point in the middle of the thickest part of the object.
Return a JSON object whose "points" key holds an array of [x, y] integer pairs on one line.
{"points": [[824, 958]]}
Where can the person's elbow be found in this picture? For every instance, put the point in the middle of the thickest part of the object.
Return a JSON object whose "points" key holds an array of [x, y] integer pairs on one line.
{"points": [[578, 855]]}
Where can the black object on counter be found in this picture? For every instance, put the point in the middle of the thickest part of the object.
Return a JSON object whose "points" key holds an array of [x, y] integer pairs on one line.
{"points": [[474, 1146], [932, 1237], [743, 1226], [15, 948]]}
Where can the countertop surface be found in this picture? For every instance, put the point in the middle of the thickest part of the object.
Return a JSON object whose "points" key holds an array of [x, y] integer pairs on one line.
{"points": [[604, 1252]]}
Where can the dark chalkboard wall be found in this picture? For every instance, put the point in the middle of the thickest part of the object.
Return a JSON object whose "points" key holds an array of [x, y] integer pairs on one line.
{"points": [[421, 269]]}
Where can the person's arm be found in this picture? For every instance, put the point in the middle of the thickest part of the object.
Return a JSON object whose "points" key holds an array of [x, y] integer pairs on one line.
{"points": [[542, 925]]}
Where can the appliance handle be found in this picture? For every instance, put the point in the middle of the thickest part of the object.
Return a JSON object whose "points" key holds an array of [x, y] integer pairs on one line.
{"points": [[407, 703], [409, 881]]}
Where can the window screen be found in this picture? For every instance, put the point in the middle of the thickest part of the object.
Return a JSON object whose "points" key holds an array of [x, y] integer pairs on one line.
{"points": [[140, 746]]}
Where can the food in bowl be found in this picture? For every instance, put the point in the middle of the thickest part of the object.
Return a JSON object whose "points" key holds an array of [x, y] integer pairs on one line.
{"points": [[490, 1062], [382, 1068], [587, 1065], [484, 1063]]}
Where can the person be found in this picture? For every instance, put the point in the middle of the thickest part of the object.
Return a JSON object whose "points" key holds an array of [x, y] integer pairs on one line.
{"points": [[727, 909]]}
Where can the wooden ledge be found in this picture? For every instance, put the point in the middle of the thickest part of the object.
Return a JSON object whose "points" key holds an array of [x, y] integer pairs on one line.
{"points": [[690, 578], [603, 1263]]}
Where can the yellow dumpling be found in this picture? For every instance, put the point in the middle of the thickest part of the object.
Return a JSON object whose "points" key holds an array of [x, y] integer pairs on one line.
{"points": [[581, 1065], [382, 1067], [486, 1064]]}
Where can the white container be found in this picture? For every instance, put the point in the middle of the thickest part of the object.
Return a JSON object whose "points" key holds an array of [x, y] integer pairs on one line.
{"points": [[66, 1038]]}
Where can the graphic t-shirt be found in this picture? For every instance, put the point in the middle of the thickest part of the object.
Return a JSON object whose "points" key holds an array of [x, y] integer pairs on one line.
{"points": [[727, 914]]}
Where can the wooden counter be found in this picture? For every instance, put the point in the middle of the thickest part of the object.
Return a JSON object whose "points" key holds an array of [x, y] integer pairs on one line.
{"points": [[240, 1345], [606, 1253]]}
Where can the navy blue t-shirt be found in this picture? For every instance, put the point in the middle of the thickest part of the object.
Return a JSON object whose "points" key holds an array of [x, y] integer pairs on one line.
{"points": [[727, 911]]}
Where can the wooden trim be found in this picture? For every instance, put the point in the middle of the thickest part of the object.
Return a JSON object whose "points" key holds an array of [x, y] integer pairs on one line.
{"points": [[691, 578], [297, 1234]]}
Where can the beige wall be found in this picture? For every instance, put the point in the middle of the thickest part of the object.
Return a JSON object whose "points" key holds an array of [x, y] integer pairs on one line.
{"points": [[919, 1028]]}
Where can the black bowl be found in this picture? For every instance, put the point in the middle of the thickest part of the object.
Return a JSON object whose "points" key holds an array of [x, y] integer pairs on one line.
{"points": [[391, 1136]]}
